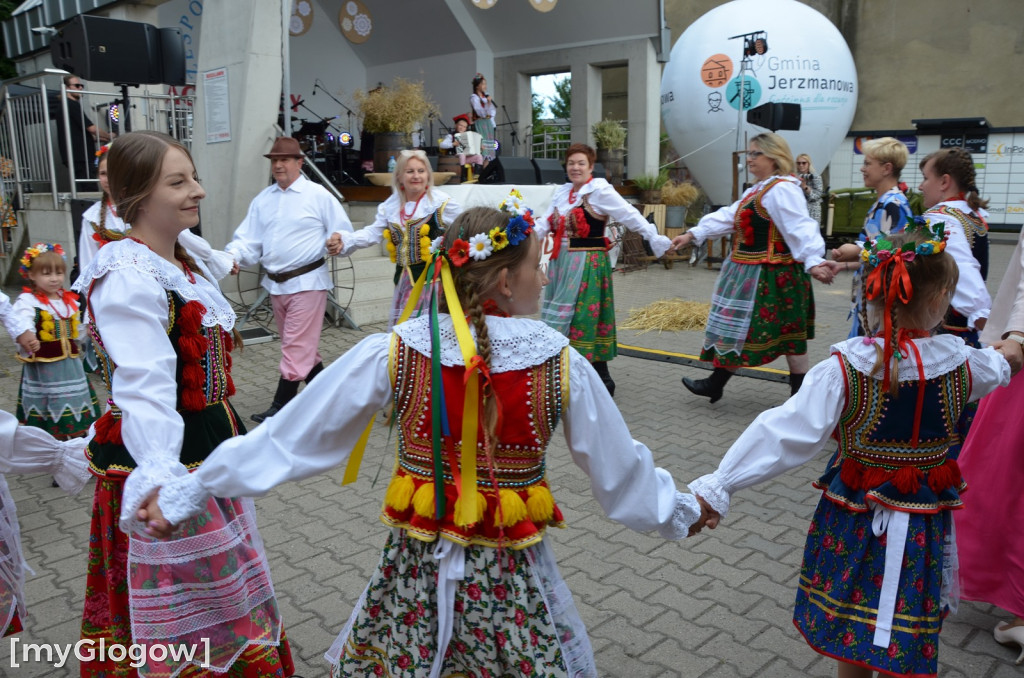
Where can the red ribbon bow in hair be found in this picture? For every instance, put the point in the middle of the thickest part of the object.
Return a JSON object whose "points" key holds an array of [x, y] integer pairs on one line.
{"points": [[899, 288]]}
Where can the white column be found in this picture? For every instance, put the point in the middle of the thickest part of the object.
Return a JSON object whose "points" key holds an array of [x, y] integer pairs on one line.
{"points": [[243, 36], [644, 108]]}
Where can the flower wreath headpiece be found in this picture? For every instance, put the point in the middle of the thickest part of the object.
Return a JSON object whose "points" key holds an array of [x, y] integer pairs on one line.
{"points": [[483, 245], [880, 256], [102, 150], [34, 251], [438, 269]]}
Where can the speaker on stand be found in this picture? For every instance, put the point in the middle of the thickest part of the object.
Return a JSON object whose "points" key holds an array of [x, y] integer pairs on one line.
{"points": [[550, 171]]}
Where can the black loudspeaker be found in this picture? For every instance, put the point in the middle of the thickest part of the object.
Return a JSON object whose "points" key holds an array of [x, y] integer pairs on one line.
{"points": [[549, 171], [509, 170], [172, 50], [600, 173], [122, 52], [775, 116]]}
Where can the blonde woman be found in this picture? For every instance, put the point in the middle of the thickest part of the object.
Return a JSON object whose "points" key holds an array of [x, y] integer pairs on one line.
{"points": [[810, 182], [408, 221], [763, 306]]}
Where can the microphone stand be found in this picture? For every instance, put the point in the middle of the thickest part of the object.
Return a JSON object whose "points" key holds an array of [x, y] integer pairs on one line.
{"points": [[348, 110], [512, 132]]}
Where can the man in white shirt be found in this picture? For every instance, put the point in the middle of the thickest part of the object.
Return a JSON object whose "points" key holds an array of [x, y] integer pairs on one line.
{"points": [[287, 228]]}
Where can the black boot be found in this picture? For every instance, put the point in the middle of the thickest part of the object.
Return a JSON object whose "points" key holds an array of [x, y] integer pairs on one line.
{"points": [[317, 369], [286, 390], [794, 383], [711, 387], [601, 367]]}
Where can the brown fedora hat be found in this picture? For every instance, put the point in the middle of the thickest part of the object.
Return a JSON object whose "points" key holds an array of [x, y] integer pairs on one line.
{"points": [[284, 147]]}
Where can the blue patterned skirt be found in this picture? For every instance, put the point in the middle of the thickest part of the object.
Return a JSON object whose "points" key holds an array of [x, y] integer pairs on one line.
{"points": [[840, 584]]}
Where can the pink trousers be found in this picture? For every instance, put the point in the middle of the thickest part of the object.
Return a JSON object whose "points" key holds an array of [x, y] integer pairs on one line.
{"points": [[299, 318]]}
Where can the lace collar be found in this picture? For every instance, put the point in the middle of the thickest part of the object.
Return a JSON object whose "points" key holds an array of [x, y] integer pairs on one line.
{"points": [[128, 254], [939, 355], [516, 343]]}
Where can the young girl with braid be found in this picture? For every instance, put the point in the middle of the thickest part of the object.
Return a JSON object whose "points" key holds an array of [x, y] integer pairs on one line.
{"points": [[951, 197], [467, 582], [879, 566], [161, 329]]}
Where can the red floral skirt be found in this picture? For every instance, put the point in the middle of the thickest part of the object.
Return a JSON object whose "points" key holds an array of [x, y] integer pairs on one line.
{"points": [[106, 614]]}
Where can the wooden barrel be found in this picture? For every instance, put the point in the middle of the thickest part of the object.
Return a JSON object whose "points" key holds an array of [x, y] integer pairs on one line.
{"points": [[386, 145], [450, 163]]}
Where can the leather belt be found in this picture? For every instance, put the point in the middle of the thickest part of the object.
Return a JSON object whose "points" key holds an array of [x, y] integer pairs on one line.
{"points": [[295, 272]]}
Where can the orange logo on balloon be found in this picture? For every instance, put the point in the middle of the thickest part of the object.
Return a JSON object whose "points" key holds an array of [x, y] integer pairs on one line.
{"points": [[716, 70]]}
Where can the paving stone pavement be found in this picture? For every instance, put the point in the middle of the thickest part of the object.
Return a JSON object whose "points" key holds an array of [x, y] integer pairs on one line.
{"points": [[718, 605]]}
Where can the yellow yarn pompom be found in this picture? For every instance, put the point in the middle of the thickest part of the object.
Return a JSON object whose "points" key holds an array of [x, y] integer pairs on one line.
{"points": [[391, 249], [46, 336], [399, 493], [476, 512], [424, 248], [425, 230], [423, 500], [513, 509], [540, 504]]}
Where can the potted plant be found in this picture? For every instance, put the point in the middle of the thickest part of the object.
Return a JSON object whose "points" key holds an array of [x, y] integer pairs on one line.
{"points": [[677, 196], [390, 113], [650, 186], [610, 140]]}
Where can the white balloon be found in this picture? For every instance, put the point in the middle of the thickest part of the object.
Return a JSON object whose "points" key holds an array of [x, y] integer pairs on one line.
{"points": [[807, 62]]}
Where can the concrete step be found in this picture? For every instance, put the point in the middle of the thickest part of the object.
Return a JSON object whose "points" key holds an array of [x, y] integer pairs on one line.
{"points": [[367, 312]]}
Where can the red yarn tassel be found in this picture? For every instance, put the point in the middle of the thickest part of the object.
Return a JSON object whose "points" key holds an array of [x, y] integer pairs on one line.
{"points": [[875, 476], [852, 474], [108, 429], [945, 475], [908, 479]]}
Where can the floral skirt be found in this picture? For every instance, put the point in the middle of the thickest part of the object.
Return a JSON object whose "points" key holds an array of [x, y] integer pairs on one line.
{"points": [[106, 615], [781, 321], [840, 583], [512, 615], [580, 302], [57, 398]]}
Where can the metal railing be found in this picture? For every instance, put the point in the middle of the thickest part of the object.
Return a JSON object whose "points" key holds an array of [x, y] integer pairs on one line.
{"points": [[551, 141], [37, 136]]}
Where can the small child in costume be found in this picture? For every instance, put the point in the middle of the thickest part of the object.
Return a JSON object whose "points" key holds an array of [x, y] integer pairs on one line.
{"points": [[24, 449], [467, 584], [879, 567], [54, 394]]}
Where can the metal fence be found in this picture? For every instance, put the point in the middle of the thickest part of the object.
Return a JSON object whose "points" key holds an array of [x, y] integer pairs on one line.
{"points": [[42, 132]]}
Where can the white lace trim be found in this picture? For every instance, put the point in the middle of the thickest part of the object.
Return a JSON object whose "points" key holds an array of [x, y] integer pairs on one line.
{"points": [[939, 355], [685, 514], [145, 478], [711, 491], [516, 343], [128, 254], [182, 498]]}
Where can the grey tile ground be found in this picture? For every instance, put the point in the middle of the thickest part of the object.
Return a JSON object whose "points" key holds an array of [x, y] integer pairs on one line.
{"points": [[717, 606]]}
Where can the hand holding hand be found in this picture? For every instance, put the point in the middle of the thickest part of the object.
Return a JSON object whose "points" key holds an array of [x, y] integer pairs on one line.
{"points": [[835, 266], [150, 514], [823, 273], [1012, 351], [234, 268], [28, 341], [681, 241], [708, 517], [334, 244]]}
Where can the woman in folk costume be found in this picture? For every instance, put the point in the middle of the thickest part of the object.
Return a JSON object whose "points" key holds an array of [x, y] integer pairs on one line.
{"points": [[54, 394], [950, 193], [482, 107], [467, 582], [763, 305], [879, 566], [162, 332], [26, 449], [580, 302], [884, 160], [408, 221], [101, 224]]}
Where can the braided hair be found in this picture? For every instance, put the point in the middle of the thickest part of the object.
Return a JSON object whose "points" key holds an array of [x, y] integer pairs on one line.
{"points": [[932, 277], [473, 280], [959, 165]]}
